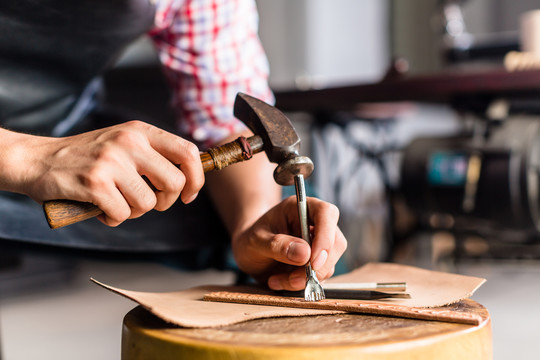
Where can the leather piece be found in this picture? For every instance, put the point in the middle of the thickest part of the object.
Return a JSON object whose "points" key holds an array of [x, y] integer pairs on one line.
{"points": [[430, 288], [427, 288], [457, 313], [186, 308], [432, 294]]}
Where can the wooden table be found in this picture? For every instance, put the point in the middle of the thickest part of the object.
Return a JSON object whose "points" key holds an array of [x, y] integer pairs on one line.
{"points": [[344, 336]]}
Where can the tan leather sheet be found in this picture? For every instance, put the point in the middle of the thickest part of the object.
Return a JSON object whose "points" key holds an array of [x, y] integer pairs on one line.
{"points": [[427, 288], [186, 308], [429, 291]]}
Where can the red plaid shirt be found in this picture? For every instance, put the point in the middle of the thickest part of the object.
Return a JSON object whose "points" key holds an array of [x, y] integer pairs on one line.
{"points": [[211, 51]]}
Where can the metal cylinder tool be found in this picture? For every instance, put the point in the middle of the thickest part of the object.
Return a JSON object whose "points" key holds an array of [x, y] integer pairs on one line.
{"points": [[313, 290], [293, 171]]}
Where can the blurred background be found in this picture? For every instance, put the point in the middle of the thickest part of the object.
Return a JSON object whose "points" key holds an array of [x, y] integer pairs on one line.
{"points": [[420, 131]]}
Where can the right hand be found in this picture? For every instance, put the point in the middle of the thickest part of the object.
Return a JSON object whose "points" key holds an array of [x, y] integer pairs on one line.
{"points": [[105, 167], [273, 252]]}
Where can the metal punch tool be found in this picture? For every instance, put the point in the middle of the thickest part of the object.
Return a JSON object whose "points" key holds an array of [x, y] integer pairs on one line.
{"points": [[313, 290]]}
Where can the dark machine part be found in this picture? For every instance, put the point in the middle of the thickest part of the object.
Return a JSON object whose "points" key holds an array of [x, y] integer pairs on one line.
{"points": [[492, 181]]}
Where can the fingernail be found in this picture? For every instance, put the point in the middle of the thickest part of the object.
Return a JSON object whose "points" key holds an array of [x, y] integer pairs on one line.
{"points": [[191, 198], [319, 262], [294, 253], [274, 284]]}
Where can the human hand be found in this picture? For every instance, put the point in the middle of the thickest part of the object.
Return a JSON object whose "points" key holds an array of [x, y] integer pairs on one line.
{"points": [[272, 251], [105, 167]]}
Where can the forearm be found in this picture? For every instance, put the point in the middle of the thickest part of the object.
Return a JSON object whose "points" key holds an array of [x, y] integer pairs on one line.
{"points": [[243, 192], [104, 167], [13, 160]]}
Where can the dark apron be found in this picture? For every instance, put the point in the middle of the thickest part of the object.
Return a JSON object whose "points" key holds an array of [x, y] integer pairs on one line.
{"points": [[52, 53]]}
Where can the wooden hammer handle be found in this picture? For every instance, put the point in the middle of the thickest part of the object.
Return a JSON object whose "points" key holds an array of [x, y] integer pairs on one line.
{"points": [[60, 213]]}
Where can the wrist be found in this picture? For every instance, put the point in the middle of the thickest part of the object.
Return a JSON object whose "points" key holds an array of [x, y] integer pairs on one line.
{"points": [[243, 193], [12, 159], [18, 160], [247, 218]]}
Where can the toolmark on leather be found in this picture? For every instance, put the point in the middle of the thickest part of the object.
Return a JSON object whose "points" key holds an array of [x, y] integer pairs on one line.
{"points": [[449, 313]]}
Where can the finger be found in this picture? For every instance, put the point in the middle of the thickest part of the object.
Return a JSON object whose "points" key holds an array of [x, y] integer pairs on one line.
{"points": [[114, 206], [165, 200], [285, 249], [296, 280], [166, 178], [136, 192], [324, 217], [183, 153], [100, 189], [140, 197], [340, 245]]}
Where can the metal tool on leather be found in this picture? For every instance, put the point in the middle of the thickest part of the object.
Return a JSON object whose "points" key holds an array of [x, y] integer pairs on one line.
{"points": [[313, 290], [351, 294]]}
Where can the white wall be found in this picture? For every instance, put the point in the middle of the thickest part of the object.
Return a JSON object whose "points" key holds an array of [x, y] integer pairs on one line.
{"points": [[315, 43]]}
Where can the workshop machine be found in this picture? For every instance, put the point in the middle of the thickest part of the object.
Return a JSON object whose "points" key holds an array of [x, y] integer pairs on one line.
{"points": [[487, 184]]}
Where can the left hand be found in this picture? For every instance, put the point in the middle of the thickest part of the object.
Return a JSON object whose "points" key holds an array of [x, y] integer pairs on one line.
{"points": [[268, 252]]}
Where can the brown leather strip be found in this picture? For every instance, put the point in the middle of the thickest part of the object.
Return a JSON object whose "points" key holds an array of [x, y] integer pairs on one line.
{"points": [[457, 313], [247, 153]]}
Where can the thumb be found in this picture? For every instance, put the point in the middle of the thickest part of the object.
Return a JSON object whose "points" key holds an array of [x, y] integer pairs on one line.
{"points": [[288, 249]]}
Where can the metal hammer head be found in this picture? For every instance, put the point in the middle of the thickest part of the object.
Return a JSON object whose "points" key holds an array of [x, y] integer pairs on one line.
{"points": [[298, 165], [280, 140]]}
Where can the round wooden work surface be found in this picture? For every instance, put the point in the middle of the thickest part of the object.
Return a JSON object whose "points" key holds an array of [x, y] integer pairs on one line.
{"points": [[343, 336]]}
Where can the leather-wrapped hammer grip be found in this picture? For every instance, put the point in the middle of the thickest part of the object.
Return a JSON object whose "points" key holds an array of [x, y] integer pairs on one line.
{"points": [[60, 213]]}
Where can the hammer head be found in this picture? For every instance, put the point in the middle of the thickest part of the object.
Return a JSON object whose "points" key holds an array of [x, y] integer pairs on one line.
{"points": [[280, 140]]}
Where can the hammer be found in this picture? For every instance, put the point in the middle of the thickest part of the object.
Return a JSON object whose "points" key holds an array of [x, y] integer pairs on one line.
{"points": [[274, 134]]}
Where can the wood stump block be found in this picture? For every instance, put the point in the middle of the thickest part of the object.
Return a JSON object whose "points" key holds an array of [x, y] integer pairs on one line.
{"points": [[341, 336]]}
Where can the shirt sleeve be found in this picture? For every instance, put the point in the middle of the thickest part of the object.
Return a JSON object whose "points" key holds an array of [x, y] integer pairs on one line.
{"points": [[211, 51]]}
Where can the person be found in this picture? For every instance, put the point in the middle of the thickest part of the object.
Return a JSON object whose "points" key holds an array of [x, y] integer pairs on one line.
{"points": [[210, 51]]}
